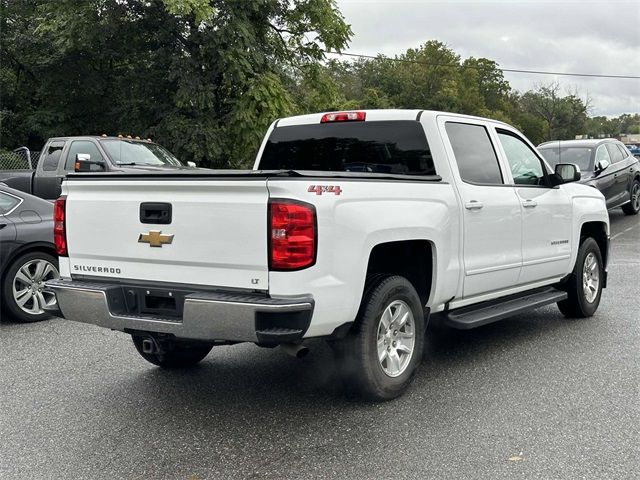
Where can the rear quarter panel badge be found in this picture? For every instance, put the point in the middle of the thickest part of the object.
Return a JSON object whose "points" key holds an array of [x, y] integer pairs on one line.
{"points": [[320, 189]]}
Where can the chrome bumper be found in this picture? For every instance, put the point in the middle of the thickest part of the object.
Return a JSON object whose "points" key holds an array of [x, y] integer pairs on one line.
{"points": [[211, 316]]}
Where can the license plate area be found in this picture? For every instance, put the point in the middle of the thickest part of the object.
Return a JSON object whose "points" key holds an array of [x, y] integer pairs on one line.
{"points": [[156, 302], [159, 304]]}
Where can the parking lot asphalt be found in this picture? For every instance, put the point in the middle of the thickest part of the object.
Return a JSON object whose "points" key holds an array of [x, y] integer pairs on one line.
{"points": [[536, 396]]}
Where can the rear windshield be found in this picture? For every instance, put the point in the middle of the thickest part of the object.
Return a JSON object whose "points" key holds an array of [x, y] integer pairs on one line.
{"points": [[581, 156], [394, 147]]}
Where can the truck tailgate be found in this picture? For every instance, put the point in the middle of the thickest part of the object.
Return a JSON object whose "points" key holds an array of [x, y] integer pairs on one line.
{"points": [[217, 235]]}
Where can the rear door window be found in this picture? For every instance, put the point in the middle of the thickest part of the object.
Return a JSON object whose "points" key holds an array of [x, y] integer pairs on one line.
{"points": [[614, 153], [391, 147], [625, 153], [476, 158], [52, 157]]}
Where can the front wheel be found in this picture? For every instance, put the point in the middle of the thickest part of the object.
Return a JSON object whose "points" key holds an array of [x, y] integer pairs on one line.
{"points": [[633, 207], [175, 354], [584, 286], [379, 357]]}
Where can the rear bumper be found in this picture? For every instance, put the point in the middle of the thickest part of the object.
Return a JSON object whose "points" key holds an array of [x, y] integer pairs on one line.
{"points": [[206, 315]]}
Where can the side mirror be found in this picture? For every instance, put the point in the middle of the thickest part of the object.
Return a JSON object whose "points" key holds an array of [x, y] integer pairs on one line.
{"points": [[601, 165], [85, 164], [191, 164], [567, 172]]}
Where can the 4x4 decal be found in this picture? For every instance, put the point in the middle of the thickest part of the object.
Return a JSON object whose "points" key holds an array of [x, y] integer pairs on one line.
{"points": [[320, 189]]}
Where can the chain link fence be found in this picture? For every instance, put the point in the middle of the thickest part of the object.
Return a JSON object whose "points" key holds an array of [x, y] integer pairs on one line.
{"points": [[18, 159]]}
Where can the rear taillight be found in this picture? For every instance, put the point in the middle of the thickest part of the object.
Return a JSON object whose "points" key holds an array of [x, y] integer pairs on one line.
{"points": [[292, 235], [59, 226], [343, 117]]}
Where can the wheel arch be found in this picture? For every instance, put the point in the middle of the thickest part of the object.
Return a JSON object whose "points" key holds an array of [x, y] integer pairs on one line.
{"points": [[46, 247], [412, 259], [599, 232]]}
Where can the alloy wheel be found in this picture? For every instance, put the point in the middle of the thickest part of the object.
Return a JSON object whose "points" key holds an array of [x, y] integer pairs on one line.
{"points": [[635, 196], [590, 278], [28, 286], [396, 338]]}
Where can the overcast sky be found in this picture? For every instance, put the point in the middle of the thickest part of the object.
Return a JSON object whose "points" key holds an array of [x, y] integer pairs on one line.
{"points": [[586, 36]]}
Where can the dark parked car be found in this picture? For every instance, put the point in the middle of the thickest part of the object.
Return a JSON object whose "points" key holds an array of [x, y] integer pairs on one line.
{"points": [[605, 164], [27, 255], [60, 156]]}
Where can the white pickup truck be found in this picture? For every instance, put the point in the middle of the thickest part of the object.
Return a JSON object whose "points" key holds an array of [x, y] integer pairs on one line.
{"points": [[353, 226]]}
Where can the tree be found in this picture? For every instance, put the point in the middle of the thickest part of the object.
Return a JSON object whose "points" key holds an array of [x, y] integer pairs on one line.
{"points": [[564, 116], [204, 77], [490, 82], [431, 76]]}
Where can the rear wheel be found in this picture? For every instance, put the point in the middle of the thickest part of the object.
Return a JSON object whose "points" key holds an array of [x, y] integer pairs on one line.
{"points": [[584, 286], [174, 354], [379, 357], [633, 207], [23, 294]]}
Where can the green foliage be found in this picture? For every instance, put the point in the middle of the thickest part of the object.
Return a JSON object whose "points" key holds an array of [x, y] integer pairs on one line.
{"points": [[206, 77], [431, 77], [202, 10], [203, 77], [565, 116], [612, 127]]}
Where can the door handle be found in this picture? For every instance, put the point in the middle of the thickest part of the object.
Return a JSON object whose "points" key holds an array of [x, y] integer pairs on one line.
{"points": [[529, 204], [473, 205], [2, 225]]}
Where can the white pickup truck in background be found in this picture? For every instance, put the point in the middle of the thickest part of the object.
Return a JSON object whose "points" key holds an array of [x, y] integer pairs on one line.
{"points": [[353, 226]]}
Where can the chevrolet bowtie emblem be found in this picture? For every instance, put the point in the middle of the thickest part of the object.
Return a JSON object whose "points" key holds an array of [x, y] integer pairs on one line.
{"points": [[155, 238]]}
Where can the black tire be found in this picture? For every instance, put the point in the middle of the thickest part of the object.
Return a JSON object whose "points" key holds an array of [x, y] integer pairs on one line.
{"points": [[577, 305], [363, 372], [633, 207], [177, 354], [9, 304]]}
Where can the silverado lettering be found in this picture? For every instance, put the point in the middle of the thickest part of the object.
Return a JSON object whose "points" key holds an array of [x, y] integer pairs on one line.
{"points": [[90, 268]]}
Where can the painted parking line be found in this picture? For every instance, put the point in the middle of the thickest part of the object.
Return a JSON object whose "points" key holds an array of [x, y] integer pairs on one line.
{"points": [[623, 232]]}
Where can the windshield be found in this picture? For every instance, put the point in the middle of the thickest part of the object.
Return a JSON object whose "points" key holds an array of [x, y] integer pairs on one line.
{"points": [[395, 147], [580, 156], [129, 152]]}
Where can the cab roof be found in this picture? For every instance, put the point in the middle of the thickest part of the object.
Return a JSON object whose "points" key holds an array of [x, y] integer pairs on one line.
{"points": [[99, 137], [380, 115]]}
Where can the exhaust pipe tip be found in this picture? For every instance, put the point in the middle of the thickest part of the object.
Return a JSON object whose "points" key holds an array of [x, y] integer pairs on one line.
{"points": [[294, 350]]}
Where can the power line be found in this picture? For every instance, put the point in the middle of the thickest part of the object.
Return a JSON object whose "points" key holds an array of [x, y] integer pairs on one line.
{"points": [[509, 70]]}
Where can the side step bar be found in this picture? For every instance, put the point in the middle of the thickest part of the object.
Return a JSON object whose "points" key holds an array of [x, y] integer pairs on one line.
{"points": [[488, 312]]}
